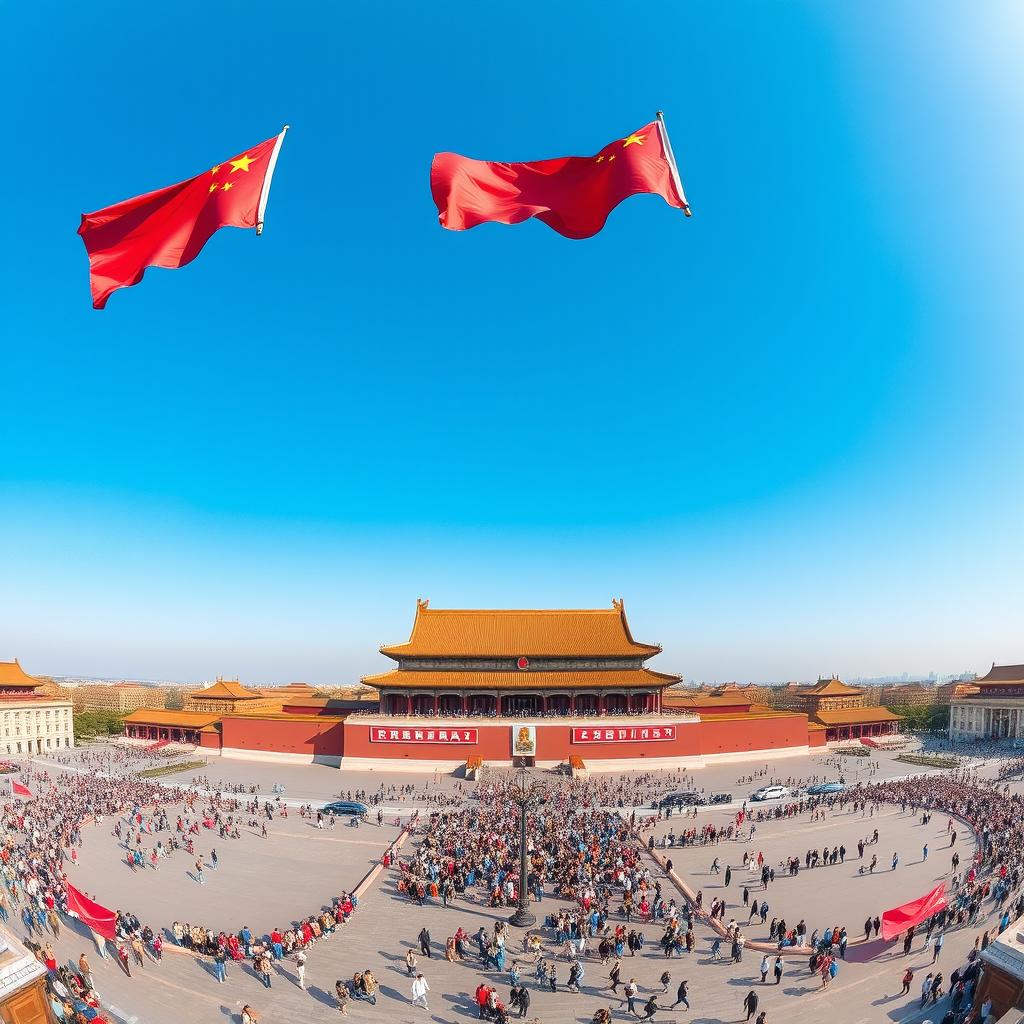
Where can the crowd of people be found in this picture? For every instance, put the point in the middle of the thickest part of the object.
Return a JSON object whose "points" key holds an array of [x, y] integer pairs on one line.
{"points": [[584, 853]]}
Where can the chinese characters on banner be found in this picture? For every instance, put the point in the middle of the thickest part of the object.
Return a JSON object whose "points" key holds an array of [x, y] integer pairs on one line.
{"points": [[624, 734], [385, 734]]}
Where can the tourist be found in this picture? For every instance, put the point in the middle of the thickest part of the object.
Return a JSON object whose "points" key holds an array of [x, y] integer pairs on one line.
{"points": [[750, 1003], [420, 988]]}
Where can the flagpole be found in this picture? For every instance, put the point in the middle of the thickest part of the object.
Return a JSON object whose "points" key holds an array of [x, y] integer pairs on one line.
{"points": [[663, 130], [265, 191]]}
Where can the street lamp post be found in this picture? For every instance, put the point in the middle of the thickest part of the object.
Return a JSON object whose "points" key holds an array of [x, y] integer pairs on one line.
{"points": [[523, 794]]}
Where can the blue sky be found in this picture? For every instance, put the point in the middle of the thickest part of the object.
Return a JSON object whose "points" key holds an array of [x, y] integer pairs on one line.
{"points": [[786, 431]]}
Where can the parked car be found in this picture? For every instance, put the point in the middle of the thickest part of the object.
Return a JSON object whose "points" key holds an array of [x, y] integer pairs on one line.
{"points": [[721, 798], [688, 798], [770, 793], [346, 807], [821, 788]]}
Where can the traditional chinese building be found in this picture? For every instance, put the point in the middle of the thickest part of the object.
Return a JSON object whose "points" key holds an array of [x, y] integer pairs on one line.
{"points": [[843, 712], [995, 708], [227, 696], [520, 663]]}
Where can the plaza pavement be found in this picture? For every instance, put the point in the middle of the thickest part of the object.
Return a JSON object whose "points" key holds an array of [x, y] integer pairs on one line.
{"points": [[386, 924]]}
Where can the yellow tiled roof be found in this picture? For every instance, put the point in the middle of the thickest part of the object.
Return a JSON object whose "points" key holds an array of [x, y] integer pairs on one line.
{"points": [[637, 677], [180, 719], [832, 688], [449, 632], [12, 674], [854, 716], [225, 689]]}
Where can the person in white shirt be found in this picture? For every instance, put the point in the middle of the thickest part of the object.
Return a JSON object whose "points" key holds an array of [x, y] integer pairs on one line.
{"points": [[420, 988]]}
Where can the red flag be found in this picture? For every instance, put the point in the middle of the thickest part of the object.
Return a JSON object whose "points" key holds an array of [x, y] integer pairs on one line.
{"points": [[169, 227], [17, 789], [899, 919], [572, 194], [101, 920]]}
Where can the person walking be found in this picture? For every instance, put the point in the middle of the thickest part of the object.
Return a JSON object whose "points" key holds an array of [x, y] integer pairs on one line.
{"points": [[614, 975], [122, 958], [937, 948], [199, 872], [650, 1008], [630, 992], [728, 875], [300, 968], [420, 988], [424, 940], [213, 859], [665, 979], [524, 1000], [764, 969], [249, 1015], [219, 964], [85, 970], [681, 996], [778, 969], [926, 988], [908, 977], [750, 1004], [410, 963]]}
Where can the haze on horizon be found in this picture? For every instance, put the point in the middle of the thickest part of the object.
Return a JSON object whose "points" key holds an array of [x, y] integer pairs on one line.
{"points": [[787, 431]]}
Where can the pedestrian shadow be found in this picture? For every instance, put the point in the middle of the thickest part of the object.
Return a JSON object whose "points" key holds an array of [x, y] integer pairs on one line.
{"points": [[322, 996], [461, 1005], [391, 993]]}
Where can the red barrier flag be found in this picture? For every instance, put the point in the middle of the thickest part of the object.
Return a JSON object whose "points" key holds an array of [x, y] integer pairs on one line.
{"points": [[899, 919], [169, 227], [20, 791], [572, 194], [101, 920]]}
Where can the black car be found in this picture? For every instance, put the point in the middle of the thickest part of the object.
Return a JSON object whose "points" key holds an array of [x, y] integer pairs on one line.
{"points": [[721, 798], [689, 798]]}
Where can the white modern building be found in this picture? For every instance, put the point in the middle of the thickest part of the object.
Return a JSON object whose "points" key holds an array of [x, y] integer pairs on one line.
{"points": [[31, 722], [995, 711]]}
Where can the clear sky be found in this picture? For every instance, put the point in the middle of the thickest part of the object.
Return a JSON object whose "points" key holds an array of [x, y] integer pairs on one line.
{"points": [[787, 431]]}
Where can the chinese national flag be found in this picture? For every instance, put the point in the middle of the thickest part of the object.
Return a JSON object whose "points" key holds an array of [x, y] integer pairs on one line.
{"points": [[572, 194], [169, 227]]}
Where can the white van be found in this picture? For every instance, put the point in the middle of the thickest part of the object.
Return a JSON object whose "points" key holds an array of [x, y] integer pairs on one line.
{"points": [[770, 793]]}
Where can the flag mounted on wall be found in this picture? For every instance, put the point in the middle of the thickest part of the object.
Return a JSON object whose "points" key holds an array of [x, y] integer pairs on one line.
{"points": [[169, 227], [573, 195]]}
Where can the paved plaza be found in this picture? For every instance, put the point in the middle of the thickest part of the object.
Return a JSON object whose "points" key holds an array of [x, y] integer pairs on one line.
{"points": [[297, 869]]}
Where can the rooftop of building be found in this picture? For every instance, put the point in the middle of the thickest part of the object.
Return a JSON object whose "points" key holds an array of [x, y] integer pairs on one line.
{"points": [[553, 633], [855, 716], [12, 674], [226, 689], [180, 719], [1003, 674], [630, 678], [833, 687]]}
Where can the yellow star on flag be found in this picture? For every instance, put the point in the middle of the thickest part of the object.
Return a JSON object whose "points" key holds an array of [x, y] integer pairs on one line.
{"points": [[213, 187], [226, 186], [214, 170], [600, 158], [638, 139], [612, 157], [241, 164]]}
